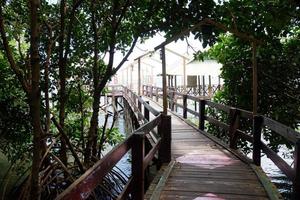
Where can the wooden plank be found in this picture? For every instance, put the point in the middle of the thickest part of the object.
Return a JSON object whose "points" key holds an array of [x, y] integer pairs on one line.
{"points": [[151, 154], [245, 113], [150, 125], [149, 108], [278, 161], [206, 168], [285, 131], [188, 195], [218, 106], [217, 123], [193, 98], [137, 165], [215, 186], [193, 112], [157, 191], [271, 190], [212, 176]]}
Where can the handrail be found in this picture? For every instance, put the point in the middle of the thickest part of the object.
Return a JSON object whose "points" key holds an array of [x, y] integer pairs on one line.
{"points": [[234, 133], [84, 185]]}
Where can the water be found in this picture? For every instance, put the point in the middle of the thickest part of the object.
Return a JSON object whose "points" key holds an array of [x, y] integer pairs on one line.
{"points": [[124, 164], [276, 176]]}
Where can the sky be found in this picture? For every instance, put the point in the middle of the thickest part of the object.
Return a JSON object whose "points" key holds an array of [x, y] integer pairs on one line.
{"points": [[179, 46]]}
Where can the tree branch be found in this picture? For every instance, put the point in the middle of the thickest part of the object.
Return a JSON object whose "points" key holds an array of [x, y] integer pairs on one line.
{"points": [[9, 54], [126, 56]]}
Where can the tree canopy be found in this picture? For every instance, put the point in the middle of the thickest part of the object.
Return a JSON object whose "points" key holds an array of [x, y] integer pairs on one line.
{"points": [[52, 65]]}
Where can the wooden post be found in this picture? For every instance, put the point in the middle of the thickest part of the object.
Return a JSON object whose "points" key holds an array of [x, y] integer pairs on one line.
{"points": [[203, 85], [233, 126], [137, 166], [257, 126], [151, 92], [116, 101], [201, 114], [156, 94], [164, 79], [164, 130], [184, 101], [175, 84], [146, 90], [134, 101], [296, 181], [209, 86], [195, 106], [139, 76], [146, 112], [184, 75], [254, 74], [172, 99], [139, 106], [199, 85]]}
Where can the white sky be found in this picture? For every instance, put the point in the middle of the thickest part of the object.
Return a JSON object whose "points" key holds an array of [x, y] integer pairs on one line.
{"points": [[179, 46]]}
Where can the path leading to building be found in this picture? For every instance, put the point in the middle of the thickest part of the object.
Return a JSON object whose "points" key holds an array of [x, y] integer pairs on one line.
{"points": [[203, 169]]}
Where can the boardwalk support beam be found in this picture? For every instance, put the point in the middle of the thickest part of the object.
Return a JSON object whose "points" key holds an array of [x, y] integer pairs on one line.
{"points": [[234, 117], [202, 114], [184, 99], [137, 166], [146, 112], [164, 130], [296, 182], [257, 126]]}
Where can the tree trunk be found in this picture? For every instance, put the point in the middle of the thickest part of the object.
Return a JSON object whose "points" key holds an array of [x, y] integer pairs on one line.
{"points": [[92, 134], [82, 116], [62, 81], [46, 89], [34, 100]]}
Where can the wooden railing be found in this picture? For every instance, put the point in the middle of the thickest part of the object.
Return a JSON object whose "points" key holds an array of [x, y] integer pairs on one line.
{"points": [[204, 91], [234, 116], [85, 185]]}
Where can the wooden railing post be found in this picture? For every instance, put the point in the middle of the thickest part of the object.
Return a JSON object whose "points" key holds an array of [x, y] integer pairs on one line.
{"points": [[137, 166], [184, 102], [164, 130], [257, 126], [139, 106], [172, 100], [134, 100], [210, 91], [156, 94], [296, 181], [233, 126], [201, 114], [146, 112], [148, 93], [203, 85], [151, 92]]}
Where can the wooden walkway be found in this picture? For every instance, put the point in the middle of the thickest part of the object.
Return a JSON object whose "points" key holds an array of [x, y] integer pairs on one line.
{"points": [[203, 170]]}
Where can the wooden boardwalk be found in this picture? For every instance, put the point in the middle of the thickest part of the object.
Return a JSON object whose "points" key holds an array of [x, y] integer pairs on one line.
{"points": [[202, 169]]}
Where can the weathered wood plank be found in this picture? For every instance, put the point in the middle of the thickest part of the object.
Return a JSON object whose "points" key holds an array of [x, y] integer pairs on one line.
{"points": [[205, 170], [182, 195], [285, 131]]}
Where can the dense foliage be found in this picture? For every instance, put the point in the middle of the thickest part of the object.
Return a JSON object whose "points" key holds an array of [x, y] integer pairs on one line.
{"points": [[272, 27], [57, 56]]}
